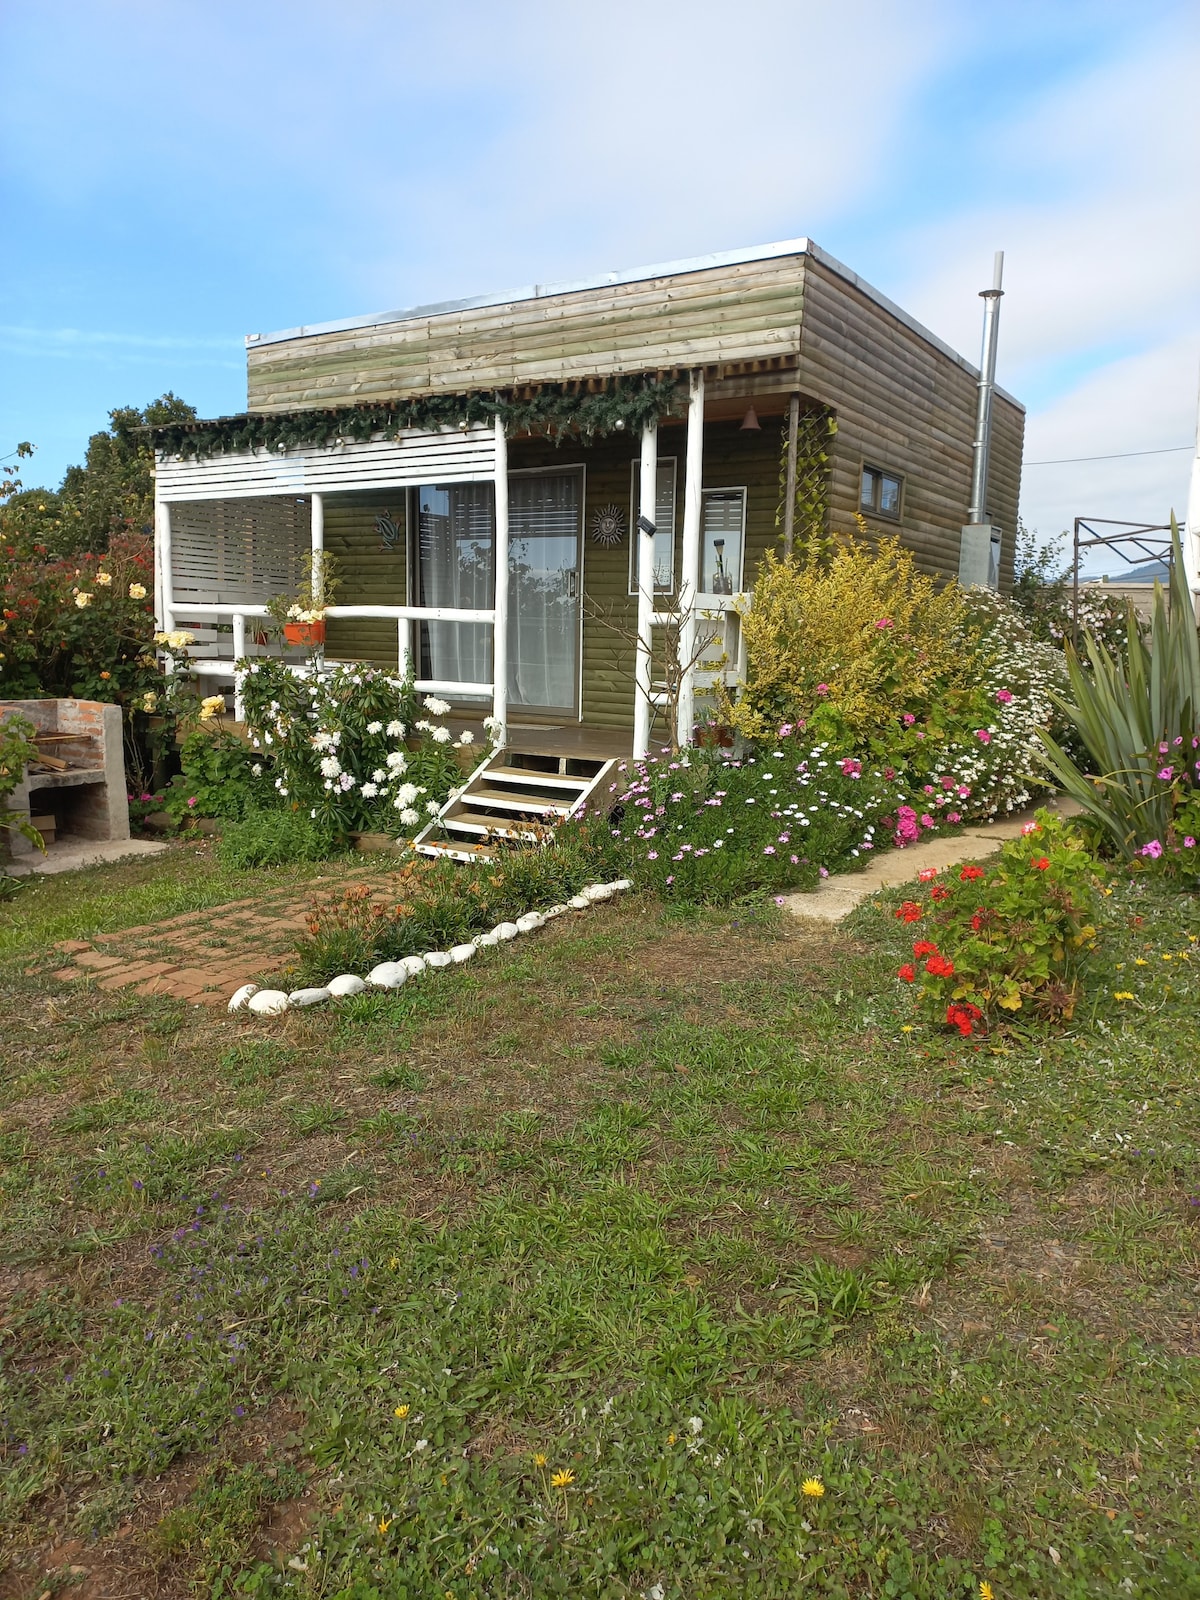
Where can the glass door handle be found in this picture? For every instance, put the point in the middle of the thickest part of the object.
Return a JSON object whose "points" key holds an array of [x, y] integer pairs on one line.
{"points": [[572, 584]]}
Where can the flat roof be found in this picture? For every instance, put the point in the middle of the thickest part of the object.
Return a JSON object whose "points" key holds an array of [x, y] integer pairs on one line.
{"points": [[661, 269]]}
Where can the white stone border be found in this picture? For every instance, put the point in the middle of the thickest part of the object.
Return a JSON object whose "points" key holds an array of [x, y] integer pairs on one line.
{"points": [[394, 974]]}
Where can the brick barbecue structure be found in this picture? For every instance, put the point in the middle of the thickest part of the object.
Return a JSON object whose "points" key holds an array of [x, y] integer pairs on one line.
{"points": [[78, 787]]}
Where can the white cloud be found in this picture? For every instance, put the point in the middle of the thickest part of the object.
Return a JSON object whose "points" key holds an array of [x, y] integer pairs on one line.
{"points": [[1143, 402], [1092, 195]]}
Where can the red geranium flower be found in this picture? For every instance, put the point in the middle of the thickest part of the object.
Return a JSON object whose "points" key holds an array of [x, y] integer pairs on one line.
{"points": [[939, 967], [907, 972], [910, 911], [1042, 863], [927, 874], [968, 873], [924, 947], [977, 921], [939, 893], [963, 1016]]}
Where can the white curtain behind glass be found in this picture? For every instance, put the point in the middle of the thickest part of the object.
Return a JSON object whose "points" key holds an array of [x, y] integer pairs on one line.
{"points": [[456, 551], [543, 601]]}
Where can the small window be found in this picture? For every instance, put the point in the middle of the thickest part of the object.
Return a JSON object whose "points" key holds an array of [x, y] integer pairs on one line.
{"points": [[722, 536], [881, 492], [664, 525]]}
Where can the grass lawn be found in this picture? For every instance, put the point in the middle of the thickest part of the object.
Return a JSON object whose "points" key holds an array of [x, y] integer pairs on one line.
{"points": [[649, 1257]]}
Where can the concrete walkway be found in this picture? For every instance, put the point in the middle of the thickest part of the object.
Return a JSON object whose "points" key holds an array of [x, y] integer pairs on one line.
{"points": [[837, 897], [66, 854]]}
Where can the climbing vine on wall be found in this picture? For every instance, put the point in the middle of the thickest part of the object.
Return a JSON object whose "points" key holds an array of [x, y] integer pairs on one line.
{"points": [[814, 439], [553, 412]]}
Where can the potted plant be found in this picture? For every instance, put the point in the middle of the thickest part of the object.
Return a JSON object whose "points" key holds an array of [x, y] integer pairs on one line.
{"points": [[300, 617]]}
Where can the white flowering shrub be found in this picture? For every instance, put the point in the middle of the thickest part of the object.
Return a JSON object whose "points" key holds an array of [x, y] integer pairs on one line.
{"points": [[706, 826], [352, 746], [985, 735]]}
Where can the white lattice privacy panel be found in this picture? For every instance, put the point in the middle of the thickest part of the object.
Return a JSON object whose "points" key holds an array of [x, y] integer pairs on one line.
{"points": [[466, 455], [224, 552]]}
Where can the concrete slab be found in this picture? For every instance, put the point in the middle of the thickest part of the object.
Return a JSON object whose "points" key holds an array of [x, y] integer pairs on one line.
{"points": [[65, 855]]}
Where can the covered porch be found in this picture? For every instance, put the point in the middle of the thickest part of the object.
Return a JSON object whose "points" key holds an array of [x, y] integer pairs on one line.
{"points": [[537, 583]]}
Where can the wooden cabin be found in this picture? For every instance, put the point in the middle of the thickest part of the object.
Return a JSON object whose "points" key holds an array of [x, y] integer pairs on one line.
{"points": [[527, 570]]}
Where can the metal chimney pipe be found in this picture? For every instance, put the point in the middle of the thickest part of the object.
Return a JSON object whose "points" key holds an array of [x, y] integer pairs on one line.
{"points": [[987, 383]]}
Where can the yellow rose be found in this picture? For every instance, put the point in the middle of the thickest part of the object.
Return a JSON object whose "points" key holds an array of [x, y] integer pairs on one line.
{"points": [[137, 591], [83, 600], [104, 579]]}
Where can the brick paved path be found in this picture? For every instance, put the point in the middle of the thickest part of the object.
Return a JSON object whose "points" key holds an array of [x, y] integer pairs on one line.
{"points": [[201, 956]]}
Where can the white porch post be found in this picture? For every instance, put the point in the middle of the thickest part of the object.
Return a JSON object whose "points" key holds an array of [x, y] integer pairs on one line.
{"points": [[647, 506], [239, 650], [500, 612], [317, 535], [404, 647], [166, 609], [689, 577], [317, 539]]}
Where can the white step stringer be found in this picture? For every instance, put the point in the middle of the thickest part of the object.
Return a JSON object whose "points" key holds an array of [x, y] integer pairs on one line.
{"points": [[516, 796]]}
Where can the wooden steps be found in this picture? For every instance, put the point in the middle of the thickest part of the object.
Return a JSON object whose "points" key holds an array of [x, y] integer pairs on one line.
{"points": [[517, 796]]}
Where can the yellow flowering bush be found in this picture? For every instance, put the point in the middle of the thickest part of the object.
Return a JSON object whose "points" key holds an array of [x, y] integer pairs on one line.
{"points": [[867, 633]]}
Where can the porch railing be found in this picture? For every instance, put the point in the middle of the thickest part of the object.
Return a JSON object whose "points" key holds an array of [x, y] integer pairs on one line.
{"points": [[403, 616]]}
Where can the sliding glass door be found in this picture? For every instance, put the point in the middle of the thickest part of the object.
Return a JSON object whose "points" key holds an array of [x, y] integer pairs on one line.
{"points": [[455, 566], [544, 591]]}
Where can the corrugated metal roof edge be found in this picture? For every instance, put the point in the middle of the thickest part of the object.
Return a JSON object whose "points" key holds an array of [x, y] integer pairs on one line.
{"points": [[663, 269]]}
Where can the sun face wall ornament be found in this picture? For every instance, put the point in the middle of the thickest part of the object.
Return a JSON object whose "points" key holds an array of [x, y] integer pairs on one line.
{"points": [[608, 525]]}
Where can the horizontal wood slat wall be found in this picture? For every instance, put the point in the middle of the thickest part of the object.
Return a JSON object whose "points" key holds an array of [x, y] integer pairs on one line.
{"points": [[371, 575], [901, 403], [743, 312], [448, 456]]}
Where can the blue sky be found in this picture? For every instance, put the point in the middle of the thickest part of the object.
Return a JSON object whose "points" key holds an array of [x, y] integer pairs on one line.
{"points": [[178, 173]]}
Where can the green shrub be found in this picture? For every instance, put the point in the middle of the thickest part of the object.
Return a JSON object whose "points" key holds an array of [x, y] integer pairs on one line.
{"points": [[220, 777], [872, 659], [274, 838], [1138, 714], [17, 750], [712, 828], [1010, 937], [434, 904]]}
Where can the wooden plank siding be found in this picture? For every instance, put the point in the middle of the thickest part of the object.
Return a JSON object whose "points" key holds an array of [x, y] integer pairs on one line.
{"points": [[371, 575], [747, 312], [903, 404], [732, 459]]}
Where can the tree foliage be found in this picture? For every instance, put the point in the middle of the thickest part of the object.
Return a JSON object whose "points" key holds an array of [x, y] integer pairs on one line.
{"points": [[111, 494]]}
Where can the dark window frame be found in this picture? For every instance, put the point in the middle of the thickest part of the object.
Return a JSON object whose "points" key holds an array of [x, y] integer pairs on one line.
{"points": [[875, 505]]}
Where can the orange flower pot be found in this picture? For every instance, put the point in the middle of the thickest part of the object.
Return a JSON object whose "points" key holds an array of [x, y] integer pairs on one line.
{"points": [[304, 632]]}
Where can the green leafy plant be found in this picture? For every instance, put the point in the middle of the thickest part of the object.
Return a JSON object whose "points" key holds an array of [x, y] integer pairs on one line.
{"points": [[434, 904], [316, 590], [1135, 707], [274, 838], [1006, 938], [220, 776], [17, 750]]}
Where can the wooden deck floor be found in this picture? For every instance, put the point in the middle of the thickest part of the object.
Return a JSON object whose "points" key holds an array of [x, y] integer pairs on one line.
{"points": [[557, 739]]}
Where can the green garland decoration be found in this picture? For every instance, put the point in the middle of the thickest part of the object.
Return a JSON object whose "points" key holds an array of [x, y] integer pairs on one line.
{"points": [[814, 439], [554, 412]]}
